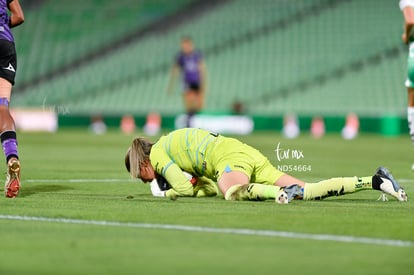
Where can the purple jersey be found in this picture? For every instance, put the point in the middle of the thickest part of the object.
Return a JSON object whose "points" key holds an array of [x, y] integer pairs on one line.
{"points": [[5, 32], [189, 65]]}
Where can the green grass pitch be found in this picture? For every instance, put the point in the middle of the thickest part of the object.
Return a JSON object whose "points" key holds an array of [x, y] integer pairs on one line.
{"points": [[68, 175]]}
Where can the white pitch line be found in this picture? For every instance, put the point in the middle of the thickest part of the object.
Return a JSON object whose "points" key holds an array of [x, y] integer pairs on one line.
{"points": [[74, 180], [250, 232]]}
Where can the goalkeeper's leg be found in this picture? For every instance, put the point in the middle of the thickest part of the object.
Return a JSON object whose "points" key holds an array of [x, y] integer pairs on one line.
{"points": [[235, 185], [381, 181], [253, 192], [310, 191], [335, 187], [325, 188]]}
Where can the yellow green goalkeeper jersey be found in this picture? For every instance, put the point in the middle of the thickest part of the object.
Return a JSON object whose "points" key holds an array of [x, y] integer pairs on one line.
{"points": [[202, 153], [183, 150]]}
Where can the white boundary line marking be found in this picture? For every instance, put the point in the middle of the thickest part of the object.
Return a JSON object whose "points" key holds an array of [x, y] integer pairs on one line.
{"points": [[74, 180], [236, 231]]}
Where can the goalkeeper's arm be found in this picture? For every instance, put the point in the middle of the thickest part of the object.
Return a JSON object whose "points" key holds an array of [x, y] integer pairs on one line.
{"points": [[167, 168], [180, 185], [161, 188]]}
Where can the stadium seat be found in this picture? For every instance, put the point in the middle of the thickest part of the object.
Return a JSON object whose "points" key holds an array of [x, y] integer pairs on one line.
{"points": [[333, 60], [57, 32]]}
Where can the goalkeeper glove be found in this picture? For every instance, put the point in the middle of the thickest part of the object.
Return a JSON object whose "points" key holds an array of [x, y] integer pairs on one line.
{"points": [[155, 189], [163, 183]]}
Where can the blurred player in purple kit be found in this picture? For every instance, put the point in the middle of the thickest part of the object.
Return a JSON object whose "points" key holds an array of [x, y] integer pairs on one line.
{"points": [[193, 69], [8, 66]]}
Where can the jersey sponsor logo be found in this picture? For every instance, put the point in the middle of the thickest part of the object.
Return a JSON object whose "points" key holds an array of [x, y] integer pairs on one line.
{"points": [[190, 66], [10, 68]]}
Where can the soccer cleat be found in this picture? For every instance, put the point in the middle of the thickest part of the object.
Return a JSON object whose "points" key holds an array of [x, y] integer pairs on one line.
{"points": [[282, 197], [12, 185], [385, 182], [294, 192]]}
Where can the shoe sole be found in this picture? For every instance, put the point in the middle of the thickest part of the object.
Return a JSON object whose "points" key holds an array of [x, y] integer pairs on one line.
{"points": [[282, 197]]}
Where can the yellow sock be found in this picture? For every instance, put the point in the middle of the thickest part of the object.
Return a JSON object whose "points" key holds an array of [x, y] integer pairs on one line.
{"points": [[252, 192], [335, 187]]}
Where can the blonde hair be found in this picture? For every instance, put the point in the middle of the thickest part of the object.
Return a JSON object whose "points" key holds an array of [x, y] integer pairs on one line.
{"points": [[136, 155]]}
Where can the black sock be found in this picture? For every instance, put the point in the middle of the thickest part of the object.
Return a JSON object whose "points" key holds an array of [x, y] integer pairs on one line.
{"points": [[376, 182]]}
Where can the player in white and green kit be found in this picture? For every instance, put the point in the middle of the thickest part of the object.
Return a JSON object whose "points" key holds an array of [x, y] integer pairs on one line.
{"points": [[407, 8], [240, 171]]}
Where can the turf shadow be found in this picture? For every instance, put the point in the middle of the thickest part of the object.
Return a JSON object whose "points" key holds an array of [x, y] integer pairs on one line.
{"points": [[28, 190]]}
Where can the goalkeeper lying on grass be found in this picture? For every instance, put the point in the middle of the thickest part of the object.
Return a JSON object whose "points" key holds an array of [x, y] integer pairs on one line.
{"points": [[241, 172]]}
